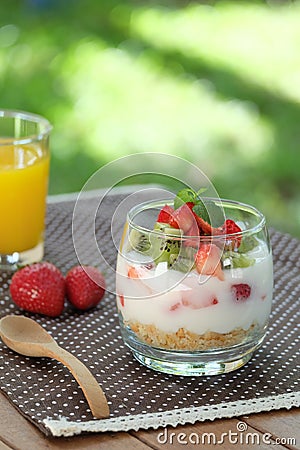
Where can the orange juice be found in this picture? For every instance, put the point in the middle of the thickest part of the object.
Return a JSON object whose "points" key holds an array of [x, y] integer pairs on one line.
{"points": [[23, 189]]}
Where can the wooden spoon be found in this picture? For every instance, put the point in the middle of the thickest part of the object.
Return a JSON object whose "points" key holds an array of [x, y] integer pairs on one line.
{"points": [[27, 337]]}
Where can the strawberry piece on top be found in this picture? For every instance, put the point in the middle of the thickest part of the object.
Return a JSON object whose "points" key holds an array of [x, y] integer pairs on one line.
{"points": [[165, 214]]}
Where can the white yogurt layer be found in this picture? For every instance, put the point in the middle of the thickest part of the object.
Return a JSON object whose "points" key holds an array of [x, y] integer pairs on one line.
{"points": [[171, 300]]}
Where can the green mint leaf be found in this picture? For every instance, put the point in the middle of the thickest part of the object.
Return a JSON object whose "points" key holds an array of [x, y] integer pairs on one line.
{"points": [[188, 195], [215, 212], [201, 211], [201, 207], [201, 190], [184, 196]]}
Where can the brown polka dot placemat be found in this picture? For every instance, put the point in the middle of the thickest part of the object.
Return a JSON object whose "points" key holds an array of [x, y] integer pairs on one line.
{"points": [[45, 392]]}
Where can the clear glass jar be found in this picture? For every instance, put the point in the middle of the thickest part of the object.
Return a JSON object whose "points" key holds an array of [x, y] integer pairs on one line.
{"points": [[194, 305]]}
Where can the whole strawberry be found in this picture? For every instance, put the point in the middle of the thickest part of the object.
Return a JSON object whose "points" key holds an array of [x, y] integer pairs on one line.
{"points": [[85, 286], [39, 288]]}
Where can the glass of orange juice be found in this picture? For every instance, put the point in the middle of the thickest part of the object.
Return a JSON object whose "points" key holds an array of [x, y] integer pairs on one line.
{"points": [[24, 169]]}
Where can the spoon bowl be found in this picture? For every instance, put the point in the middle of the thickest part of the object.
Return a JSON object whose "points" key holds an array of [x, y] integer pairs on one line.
{"points": [[24, 336], [27, 337]]}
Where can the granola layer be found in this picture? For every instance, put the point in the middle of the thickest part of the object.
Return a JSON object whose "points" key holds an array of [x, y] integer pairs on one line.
{"points": [[186, 340]]}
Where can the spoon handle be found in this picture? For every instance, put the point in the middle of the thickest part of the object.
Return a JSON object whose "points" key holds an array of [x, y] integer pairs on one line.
{"points": [[90, 387]]}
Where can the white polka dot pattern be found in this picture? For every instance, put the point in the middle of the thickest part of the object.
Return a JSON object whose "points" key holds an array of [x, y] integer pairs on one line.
{"points": [[44, 390]]}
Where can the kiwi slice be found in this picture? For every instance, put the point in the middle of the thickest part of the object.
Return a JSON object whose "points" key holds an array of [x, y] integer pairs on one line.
{"points": [[166, 229], [189, 252], [234, 260], [160, 226], [162, 246], [248, 243], [180, 263], [139, 241]]}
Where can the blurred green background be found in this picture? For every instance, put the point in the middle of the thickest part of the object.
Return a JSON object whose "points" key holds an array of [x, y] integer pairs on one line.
{"points": [[217, 83]]}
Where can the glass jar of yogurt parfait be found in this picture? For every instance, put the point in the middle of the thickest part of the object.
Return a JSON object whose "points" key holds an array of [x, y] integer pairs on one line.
{"points": [[194, 284]]}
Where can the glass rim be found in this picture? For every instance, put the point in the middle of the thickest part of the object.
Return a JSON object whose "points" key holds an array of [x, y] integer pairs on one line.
{"points": [[236, 204], [29, 117]]}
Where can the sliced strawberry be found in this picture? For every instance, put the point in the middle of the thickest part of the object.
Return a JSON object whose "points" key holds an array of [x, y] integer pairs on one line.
{"points": [[173, 222], [195, 239], [165, 214], [199, 303], [183, 217], [208, 261], [204, 227], [137, 272], [230, 227], [190, 205], [175, 306], [241, 292], [132, 272], [122, 301]]}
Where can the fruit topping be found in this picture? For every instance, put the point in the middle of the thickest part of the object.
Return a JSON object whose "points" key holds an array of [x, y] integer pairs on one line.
{"points": [[204, 208], [182, 217], [233, 260], [188, 195], [166, 229], [190, 220], [205, 227], [165, 214], [248, 243], [39, 288], [230, 227], [181, 263], [208, 261], [139, 241], [241, 292], [85, 287], [163, 246]]}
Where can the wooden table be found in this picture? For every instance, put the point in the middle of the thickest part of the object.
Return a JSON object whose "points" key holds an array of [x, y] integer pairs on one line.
{"points": [[283, 427], [16, 432]]}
